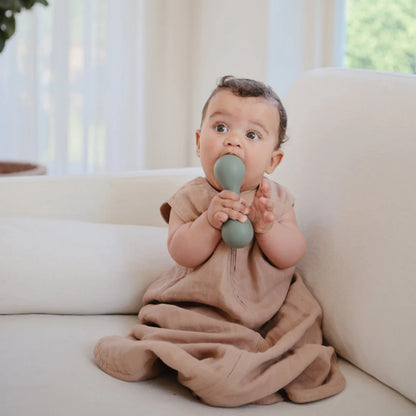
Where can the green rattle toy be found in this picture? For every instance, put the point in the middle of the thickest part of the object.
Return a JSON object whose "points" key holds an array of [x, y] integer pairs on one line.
{"points": [[229, 170]]}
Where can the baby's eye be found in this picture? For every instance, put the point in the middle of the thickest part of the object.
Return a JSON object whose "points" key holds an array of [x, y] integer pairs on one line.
{"points": [[252, 135], [221, 128]]}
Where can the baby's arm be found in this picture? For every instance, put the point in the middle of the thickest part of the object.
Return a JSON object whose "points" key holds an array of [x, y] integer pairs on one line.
{"points": [[281, 241], [191, 243], [284, 244]]}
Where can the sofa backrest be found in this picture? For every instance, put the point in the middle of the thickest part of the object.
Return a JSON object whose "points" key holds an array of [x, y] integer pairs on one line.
{"points": [[350, 162], [116, 198]]}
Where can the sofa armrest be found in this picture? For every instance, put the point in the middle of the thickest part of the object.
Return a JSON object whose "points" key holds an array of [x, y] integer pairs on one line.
{"points": [[350, 162]]}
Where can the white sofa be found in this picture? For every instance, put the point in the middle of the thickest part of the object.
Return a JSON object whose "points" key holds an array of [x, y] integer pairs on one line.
{"points": [[76, 254]]}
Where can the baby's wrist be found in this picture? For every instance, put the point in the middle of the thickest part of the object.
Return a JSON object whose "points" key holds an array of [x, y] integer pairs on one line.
{"points": [[265, 229], [210, 223]]}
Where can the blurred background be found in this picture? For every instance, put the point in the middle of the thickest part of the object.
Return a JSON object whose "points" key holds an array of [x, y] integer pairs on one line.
{"points": [[91, 86]]}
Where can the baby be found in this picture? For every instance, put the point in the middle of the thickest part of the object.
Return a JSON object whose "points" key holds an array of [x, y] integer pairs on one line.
{"points": [[237, 325], [246, 119]]}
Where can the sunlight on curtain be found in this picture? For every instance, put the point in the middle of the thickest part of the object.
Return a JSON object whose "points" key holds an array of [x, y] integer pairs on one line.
{"points": [[71, 87]]}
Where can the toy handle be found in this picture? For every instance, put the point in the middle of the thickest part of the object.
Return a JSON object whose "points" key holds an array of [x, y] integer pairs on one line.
{"points": [[229, 171]]}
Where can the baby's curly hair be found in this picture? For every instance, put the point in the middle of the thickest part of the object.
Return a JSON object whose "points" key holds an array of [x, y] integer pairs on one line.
{"points": [[244, 87]]}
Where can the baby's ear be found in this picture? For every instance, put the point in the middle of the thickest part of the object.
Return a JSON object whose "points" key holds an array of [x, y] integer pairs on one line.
{"points": [[275, 159], [197, 138]]}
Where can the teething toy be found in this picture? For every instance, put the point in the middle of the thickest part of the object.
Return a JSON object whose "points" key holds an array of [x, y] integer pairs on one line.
{"points": [[229, 171]]}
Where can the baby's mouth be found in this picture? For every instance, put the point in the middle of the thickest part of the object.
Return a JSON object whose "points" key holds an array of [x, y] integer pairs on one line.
{"points": [[234, 154]]}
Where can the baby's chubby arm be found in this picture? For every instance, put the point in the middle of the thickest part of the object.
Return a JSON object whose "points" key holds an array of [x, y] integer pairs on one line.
{"points": [[281, 241], [284, 244], [191, 243]]}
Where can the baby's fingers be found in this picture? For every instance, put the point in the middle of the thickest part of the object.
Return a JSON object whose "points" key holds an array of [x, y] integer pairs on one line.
{"points": [[268, 216], [266, 203], [233, 202], [267, 209], [236, 215], [265, 189], [226, 194]]}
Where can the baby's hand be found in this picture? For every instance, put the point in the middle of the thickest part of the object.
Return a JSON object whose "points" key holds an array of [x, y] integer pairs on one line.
{"points": [[261, 210], [225, 205]]}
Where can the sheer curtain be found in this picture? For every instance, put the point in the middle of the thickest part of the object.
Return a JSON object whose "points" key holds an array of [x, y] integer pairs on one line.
{"points": [[304, 34], [109, 85], [71, 86]]}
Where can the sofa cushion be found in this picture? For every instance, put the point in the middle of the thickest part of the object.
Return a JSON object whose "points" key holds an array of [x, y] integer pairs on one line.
{"points": [[76, 267], [47, 368]]}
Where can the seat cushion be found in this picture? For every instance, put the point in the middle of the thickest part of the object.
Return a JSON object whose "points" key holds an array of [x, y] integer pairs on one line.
{"points": [[47, 368]]}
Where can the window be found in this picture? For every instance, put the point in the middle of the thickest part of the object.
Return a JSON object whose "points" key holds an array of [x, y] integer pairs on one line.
{"points": [[381, 35]]}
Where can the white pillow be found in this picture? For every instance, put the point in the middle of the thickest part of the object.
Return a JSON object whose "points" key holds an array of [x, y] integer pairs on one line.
{"points": [[63, 266]]}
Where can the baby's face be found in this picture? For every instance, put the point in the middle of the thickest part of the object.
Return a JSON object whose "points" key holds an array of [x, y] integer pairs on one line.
{"points": [[244, 126]]}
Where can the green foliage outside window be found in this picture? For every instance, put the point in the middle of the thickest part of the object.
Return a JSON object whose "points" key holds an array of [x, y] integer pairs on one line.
{"points": [[381, 35]]}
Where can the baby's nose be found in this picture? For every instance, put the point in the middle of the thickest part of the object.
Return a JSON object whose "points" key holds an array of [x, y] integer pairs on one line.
{"points": [[233, 140]]}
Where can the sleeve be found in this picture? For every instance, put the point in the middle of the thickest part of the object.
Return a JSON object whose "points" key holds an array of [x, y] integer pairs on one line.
{"points": [[189, 202]]}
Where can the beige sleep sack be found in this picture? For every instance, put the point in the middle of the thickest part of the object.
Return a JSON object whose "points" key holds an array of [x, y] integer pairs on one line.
{"points": [[236, 329]]}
